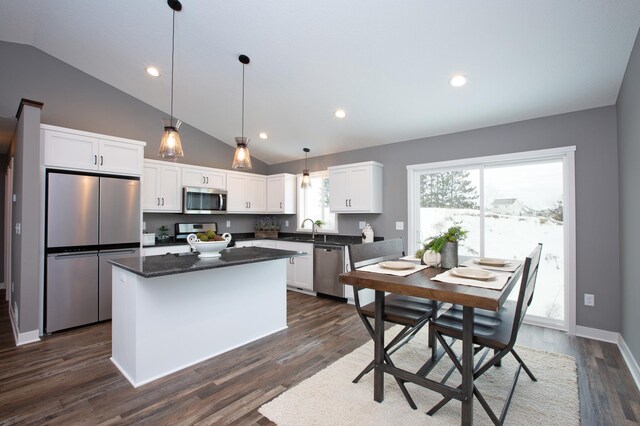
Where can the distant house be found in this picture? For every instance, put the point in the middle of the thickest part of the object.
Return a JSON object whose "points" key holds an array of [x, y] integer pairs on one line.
{"points": [[510, 206]]}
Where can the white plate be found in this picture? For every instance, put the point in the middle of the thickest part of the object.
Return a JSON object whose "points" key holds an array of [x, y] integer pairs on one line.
{"points": [[397, 265], [487, 261], [474, 274]]}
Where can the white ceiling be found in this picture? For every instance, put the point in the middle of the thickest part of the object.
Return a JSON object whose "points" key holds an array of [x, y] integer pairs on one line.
{"points": [[387, 63]]}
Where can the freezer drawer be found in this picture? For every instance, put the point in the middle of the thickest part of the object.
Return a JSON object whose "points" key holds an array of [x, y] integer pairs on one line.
{"points": [[72, 290], [72, 210], [104, 285], [119, 210]]}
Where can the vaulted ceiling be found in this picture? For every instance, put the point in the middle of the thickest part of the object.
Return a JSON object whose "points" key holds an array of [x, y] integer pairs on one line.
{"points": [[386, 63]]}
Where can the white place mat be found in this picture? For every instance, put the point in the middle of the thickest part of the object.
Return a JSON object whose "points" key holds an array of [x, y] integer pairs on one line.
{"points": [[494, 284], [398, 273], [411, 259], [510, 267]]}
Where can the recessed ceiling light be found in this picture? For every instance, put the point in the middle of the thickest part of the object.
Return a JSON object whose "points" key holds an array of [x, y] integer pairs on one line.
{"points": [[153, 71], [340, 113], [263, 135], [458, 80]]}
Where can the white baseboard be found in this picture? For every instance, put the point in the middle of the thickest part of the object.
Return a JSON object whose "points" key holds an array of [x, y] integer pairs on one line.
{"points": [[22, 338], [597, 334], [632, 364]]}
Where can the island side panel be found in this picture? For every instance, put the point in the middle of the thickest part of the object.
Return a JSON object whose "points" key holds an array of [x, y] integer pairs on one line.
{"points": [[184, 319]]}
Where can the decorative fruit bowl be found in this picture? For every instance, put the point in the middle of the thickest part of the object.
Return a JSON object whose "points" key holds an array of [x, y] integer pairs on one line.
{"points": [[208, 249]]}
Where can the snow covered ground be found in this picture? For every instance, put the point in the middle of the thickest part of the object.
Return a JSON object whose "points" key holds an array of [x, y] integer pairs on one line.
{"points": [[510, 237]]}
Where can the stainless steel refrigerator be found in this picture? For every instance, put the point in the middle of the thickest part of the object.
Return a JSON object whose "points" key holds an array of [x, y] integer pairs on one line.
{"points": [[89, 220]]}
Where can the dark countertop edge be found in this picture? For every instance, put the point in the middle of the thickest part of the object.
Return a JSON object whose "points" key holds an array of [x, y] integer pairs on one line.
{"points": [[203, 264], [333, 239]]}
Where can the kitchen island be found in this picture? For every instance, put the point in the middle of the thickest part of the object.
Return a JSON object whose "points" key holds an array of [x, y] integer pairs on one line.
{"points": [[175, 310]]}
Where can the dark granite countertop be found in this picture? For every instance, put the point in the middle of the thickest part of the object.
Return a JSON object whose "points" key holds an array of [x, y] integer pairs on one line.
{"points": [[169, 264], [331, 239]]}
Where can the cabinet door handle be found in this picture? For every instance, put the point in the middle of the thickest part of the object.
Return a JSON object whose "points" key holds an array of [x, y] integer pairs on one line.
{"points": [[207, 180], [346, 203], [202, 179], [163, 201], [95, 159], [249, 204], [158, 200], [349, 202], [280, 204], [101, 160]]}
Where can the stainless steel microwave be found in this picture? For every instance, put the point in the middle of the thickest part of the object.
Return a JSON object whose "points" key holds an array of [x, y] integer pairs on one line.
{"points": [[203, 200]]}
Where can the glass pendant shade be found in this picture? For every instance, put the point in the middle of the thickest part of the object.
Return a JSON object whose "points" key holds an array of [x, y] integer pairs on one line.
{"points": [[170, 145], [306, 179], [242, 157]]}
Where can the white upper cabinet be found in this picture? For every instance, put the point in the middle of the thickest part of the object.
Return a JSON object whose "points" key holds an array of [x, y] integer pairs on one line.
{"points": [[78, 150], [161, 187], [356, 188], [281, 194], [202, 177], [246, 193]]}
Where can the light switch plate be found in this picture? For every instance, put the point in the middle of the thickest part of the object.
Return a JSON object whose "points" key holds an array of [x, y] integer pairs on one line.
{"points": [[286, 223], [399, 226], [228, 224]]}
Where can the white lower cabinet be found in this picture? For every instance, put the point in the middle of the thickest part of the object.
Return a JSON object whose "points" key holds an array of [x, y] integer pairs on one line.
{"points": [[159, 250], [299, 269]]}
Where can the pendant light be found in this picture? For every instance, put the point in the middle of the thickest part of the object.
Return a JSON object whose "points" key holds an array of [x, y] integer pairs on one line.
{"points": [[306, 179], [242, 157], [170, 145]]}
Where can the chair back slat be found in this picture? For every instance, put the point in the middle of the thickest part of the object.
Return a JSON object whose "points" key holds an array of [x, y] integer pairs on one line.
{"points": [[367, 254], [527, 287]]}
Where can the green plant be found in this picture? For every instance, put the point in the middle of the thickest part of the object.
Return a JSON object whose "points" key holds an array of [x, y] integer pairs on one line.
{"points": [[435, 244], [163, 229], [319, 223]]}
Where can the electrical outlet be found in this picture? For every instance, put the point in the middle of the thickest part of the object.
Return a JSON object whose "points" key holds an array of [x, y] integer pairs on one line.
{"points": [[399, 226], [589, 300], [362, 225], [286, 223], [228, 224]]}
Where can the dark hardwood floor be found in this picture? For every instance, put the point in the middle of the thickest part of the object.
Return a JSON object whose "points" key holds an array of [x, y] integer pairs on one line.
{"points": [[67, 378]]}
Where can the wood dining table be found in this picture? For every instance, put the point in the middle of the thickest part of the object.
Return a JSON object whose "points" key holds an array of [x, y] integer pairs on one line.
{"points": [[420, 284]]}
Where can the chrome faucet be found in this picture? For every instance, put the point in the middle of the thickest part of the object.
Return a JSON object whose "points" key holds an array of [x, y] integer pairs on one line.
{"points": [[313, 227]]}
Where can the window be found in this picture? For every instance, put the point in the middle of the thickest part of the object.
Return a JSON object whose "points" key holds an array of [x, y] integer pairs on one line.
{"points": [[313, 203], [508, 204]]}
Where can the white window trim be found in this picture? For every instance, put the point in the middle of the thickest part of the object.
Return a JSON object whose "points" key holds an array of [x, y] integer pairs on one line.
{"points": [[567, 154], [320, 173]]}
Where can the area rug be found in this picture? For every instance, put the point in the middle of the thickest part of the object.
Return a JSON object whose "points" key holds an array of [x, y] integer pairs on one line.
{"points": [[329, 397]]}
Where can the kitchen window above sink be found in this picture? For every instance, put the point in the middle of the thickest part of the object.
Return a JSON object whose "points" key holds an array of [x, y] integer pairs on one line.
{"points": [[313, 203]]}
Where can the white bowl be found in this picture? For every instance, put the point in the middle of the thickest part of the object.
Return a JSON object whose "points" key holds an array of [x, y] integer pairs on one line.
{"points": [[208, 249]]}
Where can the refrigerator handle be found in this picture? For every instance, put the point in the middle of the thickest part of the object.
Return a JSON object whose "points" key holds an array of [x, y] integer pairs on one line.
{"points": [[72, 255], [118, 251]]}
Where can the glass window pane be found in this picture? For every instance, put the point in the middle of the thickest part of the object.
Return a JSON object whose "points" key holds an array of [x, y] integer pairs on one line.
{"points": [[447, 198], [313, 203], [523, 205]]}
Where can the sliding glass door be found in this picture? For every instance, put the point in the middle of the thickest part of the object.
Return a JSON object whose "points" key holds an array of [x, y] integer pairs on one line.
{"points": [[508, 205]]}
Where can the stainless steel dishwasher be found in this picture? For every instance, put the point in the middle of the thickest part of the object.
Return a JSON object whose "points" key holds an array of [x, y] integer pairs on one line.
{"points": [[328, 263]]}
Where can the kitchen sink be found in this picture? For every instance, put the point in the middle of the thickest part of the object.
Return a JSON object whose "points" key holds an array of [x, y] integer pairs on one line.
{"points": [[300, 239]]}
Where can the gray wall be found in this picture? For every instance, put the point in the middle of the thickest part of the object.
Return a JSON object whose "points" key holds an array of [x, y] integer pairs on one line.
{"points": [[593, 132], [27, 208], [76, 100], [628, 107]]}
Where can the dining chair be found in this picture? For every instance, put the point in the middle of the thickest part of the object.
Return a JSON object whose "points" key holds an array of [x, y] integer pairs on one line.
{"points": [[411, 312], [497, 331]]}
